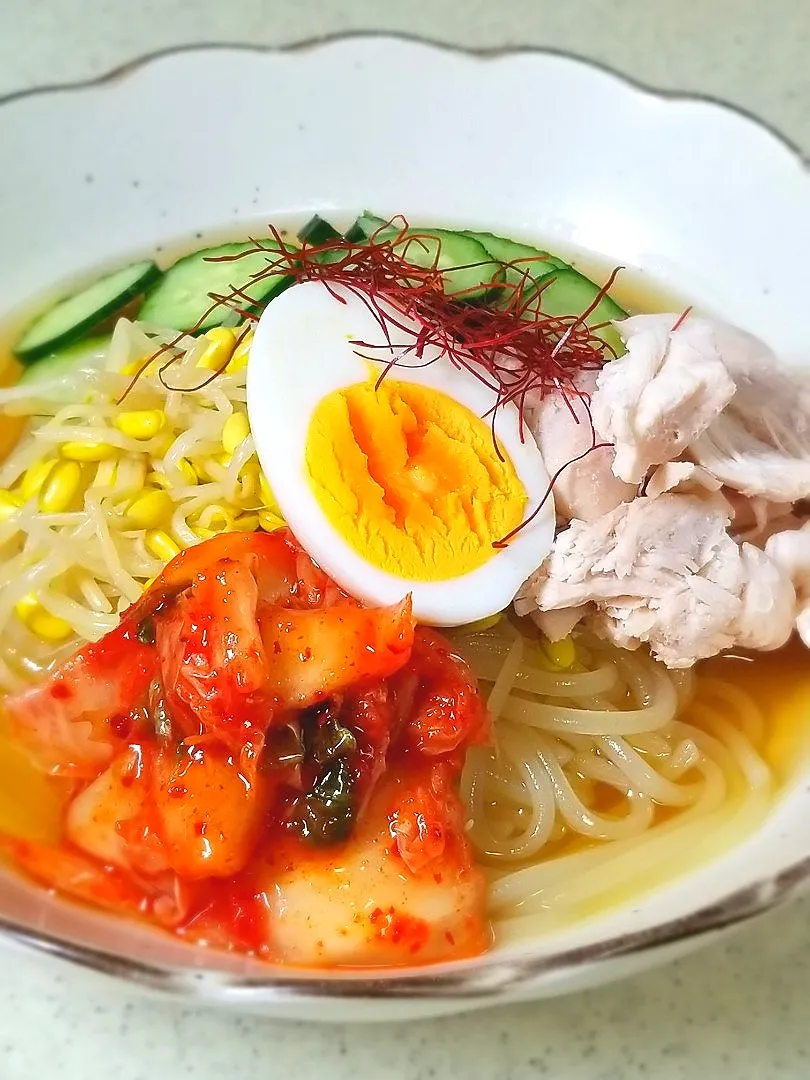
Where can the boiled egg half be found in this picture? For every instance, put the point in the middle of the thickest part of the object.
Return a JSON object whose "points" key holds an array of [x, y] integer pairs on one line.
{"points": [[393, 485]]}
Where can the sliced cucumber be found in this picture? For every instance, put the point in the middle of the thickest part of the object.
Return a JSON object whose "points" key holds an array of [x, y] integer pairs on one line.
{"points": [[182, 297], [367, 225], [356, 234], [466, 266], [567, 292], [86, 355], [522, 260], [72, 317], [318, 231]]}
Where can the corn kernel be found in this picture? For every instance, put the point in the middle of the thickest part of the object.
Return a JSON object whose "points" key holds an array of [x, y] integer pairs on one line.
{"points": [[34, 477], [234, 432], [136, 367], [161, 544], [221, 342], [49, 627], [239, 360], [87, 451], [41, 622], [10, 502], [149, 510], [249, 481], [246, 523], [270, 521], [61, 487], [141, 423], [562, 654], [26, 606]]}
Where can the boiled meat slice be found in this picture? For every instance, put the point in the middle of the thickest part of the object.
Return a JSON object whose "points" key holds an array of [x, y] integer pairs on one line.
{"points": [[790, 551], [657, 398], [666, 572], [561, 425], [760, 443]]}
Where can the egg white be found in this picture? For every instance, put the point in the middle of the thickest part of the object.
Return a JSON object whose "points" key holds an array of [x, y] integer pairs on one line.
{"points": [[301, 353]]}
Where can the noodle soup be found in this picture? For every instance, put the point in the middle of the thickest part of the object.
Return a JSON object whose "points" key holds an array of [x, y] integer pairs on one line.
{"points": [[424, 788]]}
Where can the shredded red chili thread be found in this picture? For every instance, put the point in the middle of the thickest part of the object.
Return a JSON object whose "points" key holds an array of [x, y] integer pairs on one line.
{"points": [[507, 341], [684, 315]]}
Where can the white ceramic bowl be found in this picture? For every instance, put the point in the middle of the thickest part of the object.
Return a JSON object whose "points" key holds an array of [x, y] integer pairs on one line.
{"points": [[527, 144]]}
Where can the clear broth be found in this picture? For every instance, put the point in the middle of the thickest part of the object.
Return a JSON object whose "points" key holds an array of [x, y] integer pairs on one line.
{"points": [[32, 804]]}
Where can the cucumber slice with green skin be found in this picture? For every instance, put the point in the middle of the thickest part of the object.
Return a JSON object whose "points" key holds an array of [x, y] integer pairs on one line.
{"points": [[86, 355], [318, 231], [467, 268], [355, 233], [567, 292], [365, 226], [182, 297], [526, 261], [71, 318]]}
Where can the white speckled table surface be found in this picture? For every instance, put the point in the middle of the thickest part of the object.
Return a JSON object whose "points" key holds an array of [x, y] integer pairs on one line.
{"points": [[738, 1010]]}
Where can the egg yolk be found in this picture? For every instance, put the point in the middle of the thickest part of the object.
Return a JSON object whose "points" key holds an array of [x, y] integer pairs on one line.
{"points": [[411, 479]]}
